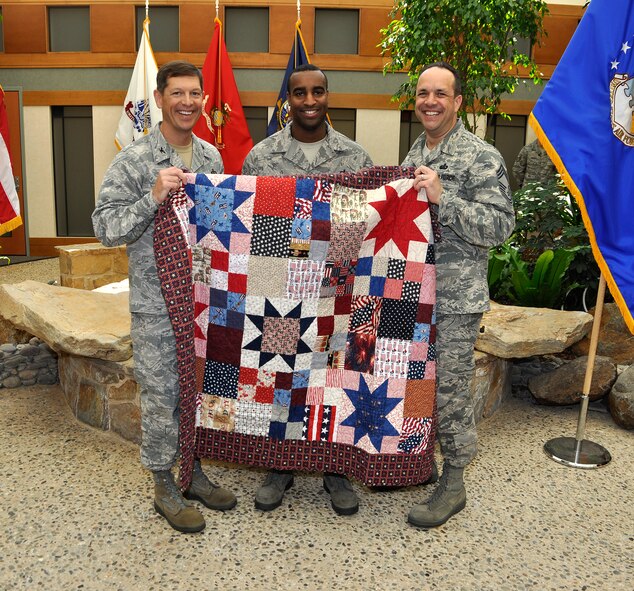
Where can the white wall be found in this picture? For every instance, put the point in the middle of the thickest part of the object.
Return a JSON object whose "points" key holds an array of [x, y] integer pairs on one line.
{"points": [[38, 172], [378, 132], [104, 125]]}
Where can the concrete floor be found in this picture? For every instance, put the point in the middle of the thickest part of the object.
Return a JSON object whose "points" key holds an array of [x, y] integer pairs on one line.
{"points": [[76, 513]]}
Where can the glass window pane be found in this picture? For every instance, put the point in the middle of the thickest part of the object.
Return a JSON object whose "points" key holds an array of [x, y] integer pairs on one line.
{"points": [[164, 24], [344, 121], [69, 28], [257, 121], [336, 31], [508, 136], [247, 29], [411, 128]]}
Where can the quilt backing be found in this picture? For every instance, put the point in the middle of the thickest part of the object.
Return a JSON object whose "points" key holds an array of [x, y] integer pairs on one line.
{"points": [[304, 315]]}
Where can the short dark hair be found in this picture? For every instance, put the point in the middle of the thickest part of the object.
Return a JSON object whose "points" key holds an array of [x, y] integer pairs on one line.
{"points": [[305, 68], [457, 84], [176, 68]]}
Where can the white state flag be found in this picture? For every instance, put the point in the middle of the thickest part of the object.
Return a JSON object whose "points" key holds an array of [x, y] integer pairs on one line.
{"points": [[140, 112]]}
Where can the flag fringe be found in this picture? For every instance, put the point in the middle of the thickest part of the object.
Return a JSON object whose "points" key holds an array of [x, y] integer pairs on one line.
{"points": [[576, 193], [9, 225]]}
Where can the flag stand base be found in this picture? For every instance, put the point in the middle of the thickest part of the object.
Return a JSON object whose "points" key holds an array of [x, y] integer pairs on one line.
{"points": [[577, 453]]}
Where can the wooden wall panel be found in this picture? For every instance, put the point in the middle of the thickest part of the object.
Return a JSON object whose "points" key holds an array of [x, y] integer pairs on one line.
{"points": [[560, 29], [112, 28], [371, 20], [282, 21], [24, 28], [197, 27]]}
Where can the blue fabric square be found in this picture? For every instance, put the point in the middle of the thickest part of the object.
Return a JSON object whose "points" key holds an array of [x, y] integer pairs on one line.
{"points": [[234, 320], [300, 378], [301, 229], [277, 430], [282, 397], [220, 379], [321, 211], [416, 370], [218, 298], [236, 302], [421, 332], [377, 286], [214, 208], [364, 266], [296, 414], [305, 188], [218, 316]]}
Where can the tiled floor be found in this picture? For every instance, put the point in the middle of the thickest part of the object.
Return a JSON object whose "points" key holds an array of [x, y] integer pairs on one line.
{"points": [[76, 513]]}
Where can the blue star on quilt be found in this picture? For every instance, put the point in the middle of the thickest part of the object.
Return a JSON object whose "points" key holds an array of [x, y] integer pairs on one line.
{"points": [[215, 207], [370, 414]]}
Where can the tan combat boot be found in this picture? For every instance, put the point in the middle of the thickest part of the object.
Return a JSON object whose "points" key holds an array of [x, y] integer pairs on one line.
{"points": [[209, 494], [169, 502], [448, 499]]}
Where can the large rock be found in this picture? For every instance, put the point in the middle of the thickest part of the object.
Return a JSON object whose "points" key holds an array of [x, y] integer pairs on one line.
{"points": [[621, 399], [491, 384], [70, 320], [515, 332], [564, 385], [615, 340]]}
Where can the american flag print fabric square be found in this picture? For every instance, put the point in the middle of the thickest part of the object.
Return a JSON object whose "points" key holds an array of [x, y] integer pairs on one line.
{"points": [[304, 312]]}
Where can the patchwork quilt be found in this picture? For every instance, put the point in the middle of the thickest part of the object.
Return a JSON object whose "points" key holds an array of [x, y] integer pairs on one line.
{"points": [[304, 315]]}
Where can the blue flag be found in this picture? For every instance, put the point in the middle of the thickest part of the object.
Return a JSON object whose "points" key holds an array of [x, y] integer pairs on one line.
{"points": [[585, 120], [298, 57]]}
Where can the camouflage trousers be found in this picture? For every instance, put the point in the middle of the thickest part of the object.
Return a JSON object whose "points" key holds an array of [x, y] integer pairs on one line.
{"points": [[155, 369], [455, 338]]}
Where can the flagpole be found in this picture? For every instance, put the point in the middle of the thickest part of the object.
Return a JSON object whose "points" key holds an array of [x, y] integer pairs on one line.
{"points": [[147, 8], [577, 452]]}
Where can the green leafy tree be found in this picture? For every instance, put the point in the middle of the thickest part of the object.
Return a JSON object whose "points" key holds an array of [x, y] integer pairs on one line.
{"points": [[477, 37]]}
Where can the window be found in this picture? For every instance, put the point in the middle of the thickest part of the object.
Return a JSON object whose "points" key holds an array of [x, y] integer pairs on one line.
{"points": [[73, 170], [411, 128], [522, 45], [69, 28], [247, 29], [257, 121], [164, 26], [336, 31], [344, 121], [509, 137]]}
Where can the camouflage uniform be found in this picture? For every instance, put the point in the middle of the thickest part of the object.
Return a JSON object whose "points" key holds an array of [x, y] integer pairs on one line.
{"points": [[475, 213], [125, 215], [533, 165], [280, 154]]}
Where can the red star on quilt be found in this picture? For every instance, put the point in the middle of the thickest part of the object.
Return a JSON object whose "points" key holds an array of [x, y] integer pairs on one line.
{"points": [[398, 215]]}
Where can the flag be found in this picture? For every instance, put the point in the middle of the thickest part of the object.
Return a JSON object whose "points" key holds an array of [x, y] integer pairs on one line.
{"points": [[223, 122], [9, 203], [140, 111], [298, 57], [585, 120]]}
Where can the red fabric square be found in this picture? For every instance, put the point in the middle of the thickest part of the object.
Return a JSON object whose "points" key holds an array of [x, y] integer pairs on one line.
{"points": [[298, 396], [343, 304], [393, 289], [237, 283], [284, 380], [414, 271], [248, 375], [220, 260], [424, 313], [274, 196], [325, 325], [321, 230], [264, 394], [224, 344]]}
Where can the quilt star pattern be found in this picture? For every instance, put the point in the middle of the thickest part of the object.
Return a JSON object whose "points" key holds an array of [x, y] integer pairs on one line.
{"points": [[304, 315]]}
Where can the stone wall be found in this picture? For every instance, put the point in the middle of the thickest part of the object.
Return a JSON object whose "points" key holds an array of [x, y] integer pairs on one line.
{"points": [[88, 266], [27, 364], [102, 394]]}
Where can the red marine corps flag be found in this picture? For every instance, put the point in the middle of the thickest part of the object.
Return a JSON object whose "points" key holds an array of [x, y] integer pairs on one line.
{"points": [[223, 123]]}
